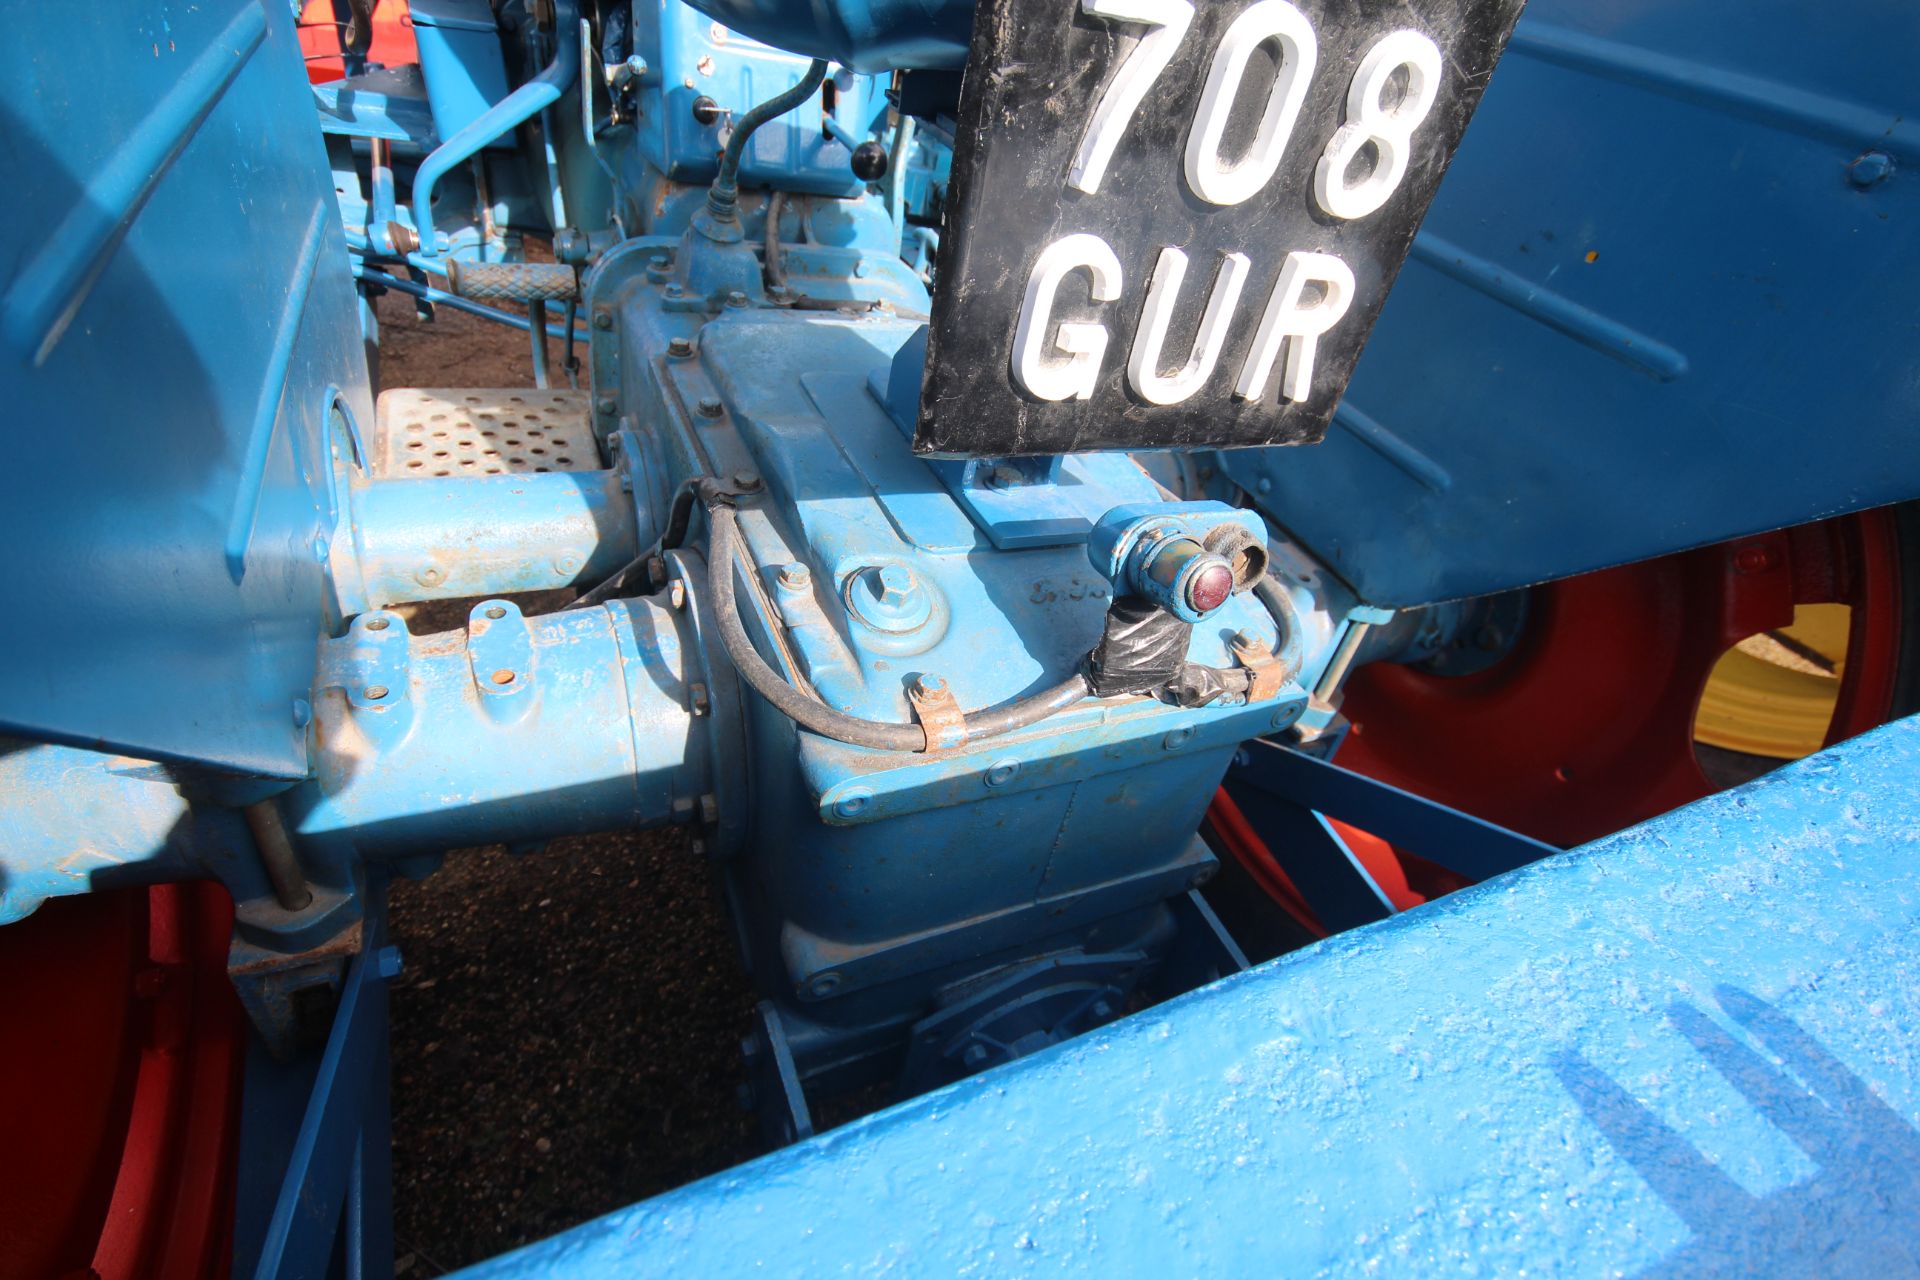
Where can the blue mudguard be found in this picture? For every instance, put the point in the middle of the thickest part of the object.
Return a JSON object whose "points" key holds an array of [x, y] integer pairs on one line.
{"points": [[1663, 299], [1688, 1049]]}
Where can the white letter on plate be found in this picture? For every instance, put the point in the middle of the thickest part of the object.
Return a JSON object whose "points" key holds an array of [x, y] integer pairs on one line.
{"points": [[1300, 327], [1143, 365], [1168, 20], [1218, 183], [1074, 377]]}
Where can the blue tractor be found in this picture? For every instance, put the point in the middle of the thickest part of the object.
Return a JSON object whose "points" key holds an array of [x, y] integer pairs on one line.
{"points": [[1161, 614]]}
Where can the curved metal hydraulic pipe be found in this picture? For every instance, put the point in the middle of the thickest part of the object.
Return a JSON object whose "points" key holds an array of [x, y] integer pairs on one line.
{"points": [[510, 112], [897, 177]]}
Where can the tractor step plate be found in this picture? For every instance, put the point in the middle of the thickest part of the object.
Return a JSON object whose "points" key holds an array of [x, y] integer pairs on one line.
{"points": [[469, 431]]}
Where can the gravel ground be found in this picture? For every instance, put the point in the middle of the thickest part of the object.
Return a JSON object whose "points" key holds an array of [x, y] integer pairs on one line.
{"points": [[566, 1032]]}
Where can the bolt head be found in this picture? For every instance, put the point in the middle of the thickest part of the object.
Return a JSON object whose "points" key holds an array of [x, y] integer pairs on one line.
{"points": [[975, 1056], [892, 584], [931, 684], [1870, 168], [602, 319], [736, 299], [1003, 476], [795, 576], [708, 407], [889, 598], [746, 479], [680, 347], [607, 405]]}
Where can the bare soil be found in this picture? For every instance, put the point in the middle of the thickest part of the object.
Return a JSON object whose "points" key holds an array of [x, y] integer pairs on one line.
{"points": [[566, 1032]]}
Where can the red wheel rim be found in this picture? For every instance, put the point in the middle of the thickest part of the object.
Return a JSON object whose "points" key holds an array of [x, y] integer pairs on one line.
{"points": [[1587, 726], [123, 1070]]}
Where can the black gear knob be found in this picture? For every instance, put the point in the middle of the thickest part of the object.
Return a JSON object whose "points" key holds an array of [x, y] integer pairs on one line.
{"points": [[869, 161]]}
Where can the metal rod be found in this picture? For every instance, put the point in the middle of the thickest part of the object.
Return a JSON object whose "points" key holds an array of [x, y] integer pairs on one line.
{"points": [[537, 330], [277, 856], [897, 179], [380, 165], [569, 361], [1336, 670], [427, 293], [509, 113], [773, 257]]}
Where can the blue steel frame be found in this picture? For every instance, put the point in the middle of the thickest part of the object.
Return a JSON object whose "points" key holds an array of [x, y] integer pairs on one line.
{"points": [[1687, 1049]]}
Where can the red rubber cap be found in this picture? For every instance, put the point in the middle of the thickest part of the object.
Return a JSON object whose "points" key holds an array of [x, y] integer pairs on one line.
{"points": [[1210, 588]]}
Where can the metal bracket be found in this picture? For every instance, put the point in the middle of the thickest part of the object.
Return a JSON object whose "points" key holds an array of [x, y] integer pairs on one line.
{"points": [[939, 713], [774, 1089], [1457, 841], [1267, 675], [290, 997]]}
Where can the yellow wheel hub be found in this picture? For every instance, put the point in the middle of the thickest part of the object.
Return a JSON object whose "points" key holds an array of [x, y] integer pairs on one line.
{"points": [[1774, 694]]}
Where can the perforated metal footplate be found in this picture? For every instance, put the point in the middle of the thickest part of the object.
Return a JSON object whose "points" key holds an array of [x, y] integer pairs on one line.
{"points": [[469, 431]]}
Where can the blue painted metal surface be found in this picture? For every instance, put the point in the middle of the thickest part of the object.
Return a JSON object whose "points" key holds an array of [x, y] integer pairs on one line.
{"points": [[898, 878], [519, 730], [523, 104], [1671, 269], [1687, 1049], [1457, 841], [391, 104], [73, 821], [911, 916], [690, 57], [1289, 794], [427, 745], [490, 535], [165, 481], [459, 60], [870, 35]]}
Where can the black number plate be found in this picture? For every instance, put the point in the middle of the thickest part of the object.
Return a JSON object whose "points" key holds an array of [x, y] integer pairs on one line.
{"points": [[1173, 223]]}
